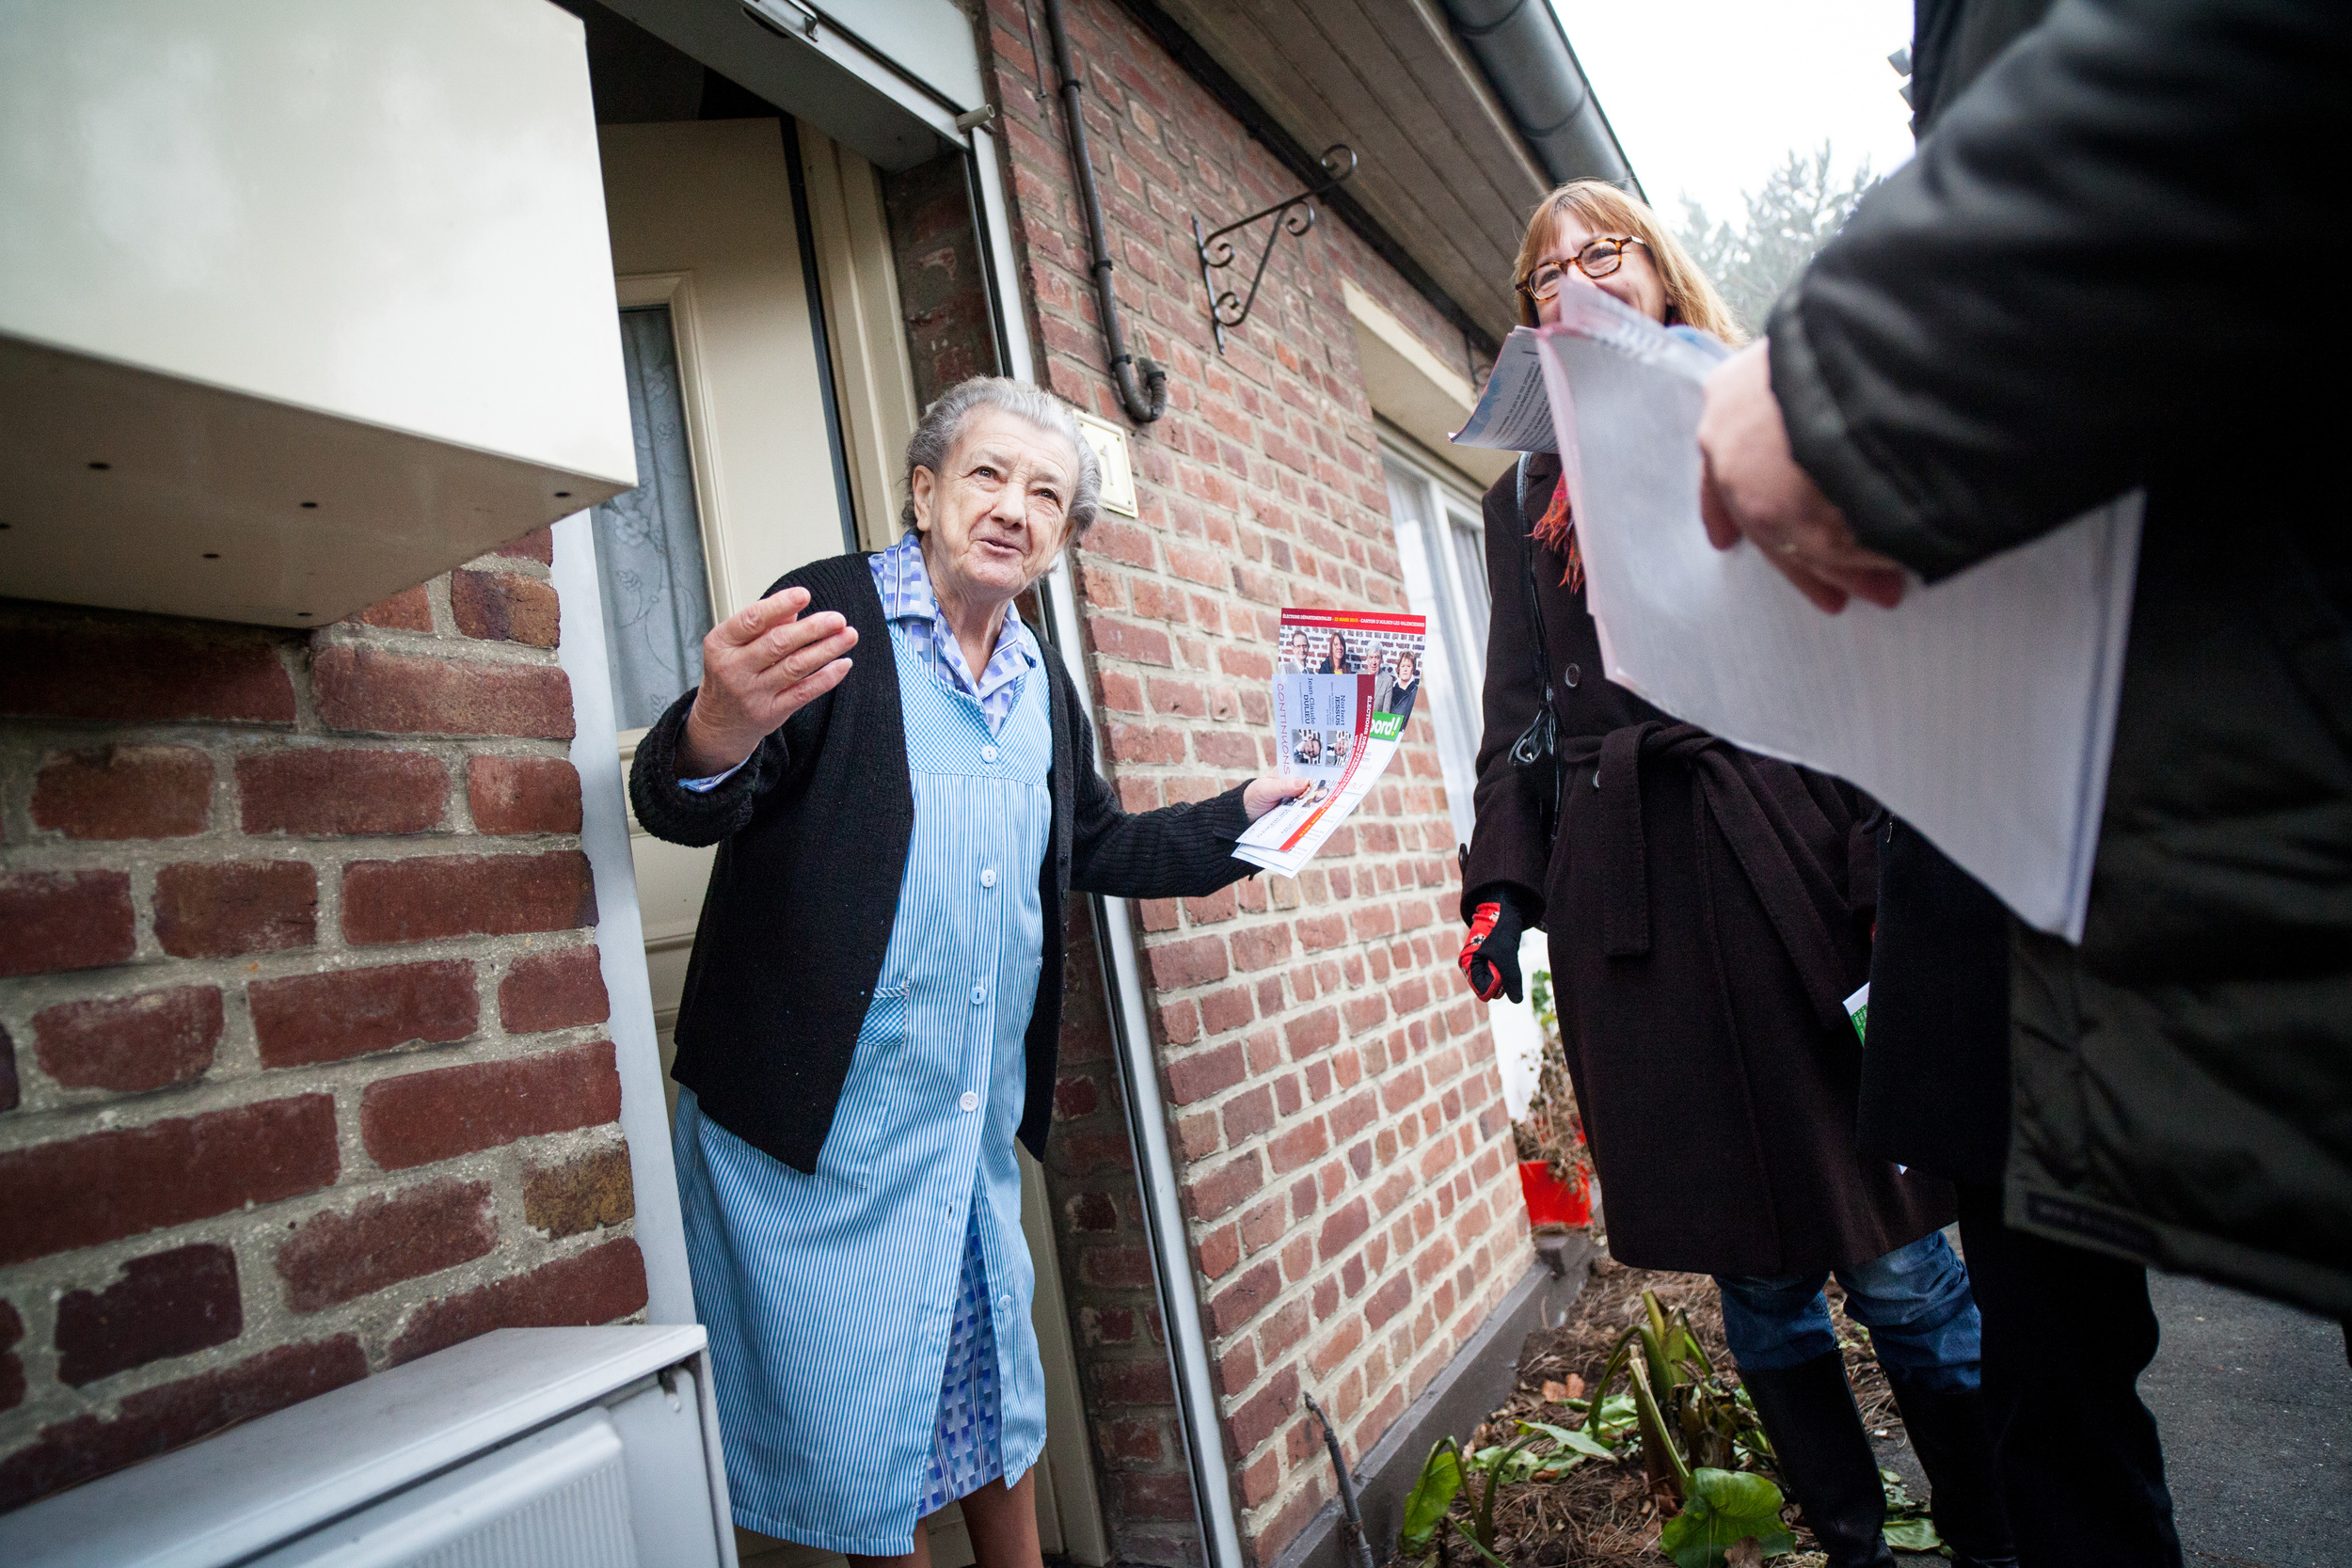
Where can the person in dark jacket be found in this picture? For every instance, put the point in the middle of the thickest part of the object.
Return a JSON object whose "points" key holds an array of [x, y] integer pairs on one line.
{"points": [[2059, 300], [871, 1011], [1709, 913]]}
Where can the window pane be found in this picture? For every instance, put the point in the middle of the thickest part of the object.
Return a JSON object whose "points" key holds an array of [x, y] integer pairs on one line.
{"points": [[1469, 561], [1451, 683], [649, 541]]}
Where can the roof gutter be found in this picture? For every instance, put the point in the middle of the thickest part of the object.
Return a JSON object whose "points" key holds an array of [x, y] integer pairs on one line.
{"points": [[1525, 54]]}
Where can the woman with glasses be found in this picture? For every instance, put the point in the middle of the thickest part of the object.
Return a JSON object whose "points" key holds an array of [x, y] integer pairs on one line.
{"points": [[1709, 912]]}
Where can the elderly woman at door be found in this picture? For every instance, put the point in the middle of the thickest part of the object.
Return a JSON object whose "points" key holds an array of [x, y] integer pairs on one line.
{"points": [[870, 1016]]}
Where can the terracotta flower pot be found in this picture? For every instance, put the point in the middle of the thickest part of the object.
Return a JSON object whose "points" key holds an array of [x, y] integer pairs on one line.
{"points": [[1550, 1200]]}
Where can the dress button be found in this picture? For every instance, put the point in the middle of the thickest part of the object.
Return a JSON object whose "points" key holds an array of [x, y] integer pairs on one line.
{"points": [[988, 753], [969, 1102], [988, 878], [980, 995], [1574, 675], [1004, 1304]]}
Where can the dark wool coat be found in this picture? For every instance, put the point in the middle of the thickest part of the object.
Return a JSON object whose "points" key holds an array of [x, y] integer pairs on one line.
{"points": [[1709, 913], [2047, 307], [813, 836]]}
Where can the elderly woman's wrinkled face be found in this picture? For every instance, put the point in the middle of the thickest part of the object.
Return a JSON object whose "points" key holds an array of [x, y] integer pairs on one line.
{"points": [[993, 522]]}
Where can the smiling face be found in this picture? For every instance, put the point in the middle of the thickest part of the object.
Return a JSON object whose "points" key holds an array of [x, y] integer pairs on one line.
{"points": [[1635, 282], [993, 520], [1337, 652]]}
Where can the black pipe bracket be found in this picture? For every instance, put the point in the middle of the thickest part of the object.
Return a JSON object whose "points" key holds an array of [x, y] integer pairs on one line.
{"points": [[1292, 216]]}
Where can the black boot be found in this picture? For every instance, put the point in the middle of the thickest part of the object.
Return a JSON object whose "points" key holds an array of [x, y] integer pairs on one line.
{"points": [[1825, 1457], [1954, 1442]]}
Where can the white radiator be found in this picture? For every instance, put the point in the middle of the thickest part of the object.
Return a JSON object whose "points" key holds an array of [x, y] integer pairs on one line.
{"points": [[544, 1448]]}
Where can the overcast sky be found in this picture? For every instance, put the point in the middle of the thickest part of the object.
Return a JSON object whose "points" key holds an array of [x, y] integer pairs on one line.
{"points": [[1706, 96]]}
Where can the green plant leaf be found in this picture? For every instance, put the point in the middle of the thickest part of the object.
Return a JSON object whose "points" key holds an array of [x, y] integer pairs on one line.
{"points": [[1432, 1495], [1723, 1509], [1661, 1456], [1571, 1440], [1913, 1535]]}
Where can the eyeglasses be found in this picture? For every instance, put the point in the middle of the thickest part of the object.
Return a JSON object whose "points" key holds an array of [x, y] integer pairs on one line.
{"points": [[1597, 260]]}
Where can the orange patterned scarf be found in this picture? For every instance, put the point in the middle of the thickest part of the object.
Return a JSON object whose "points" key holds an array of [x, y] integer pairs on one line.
{"points": [[1558, 530]]}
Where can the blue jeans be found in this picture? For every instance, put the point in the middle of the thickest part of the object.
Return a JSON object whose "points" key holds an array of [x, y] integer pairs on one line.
{"points": [[1914, 1301]]}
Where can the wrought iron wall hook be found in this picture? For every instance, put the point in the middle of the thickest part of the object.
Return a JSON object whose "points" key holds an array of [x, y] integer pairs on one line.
{"points": [[1294, 215]]}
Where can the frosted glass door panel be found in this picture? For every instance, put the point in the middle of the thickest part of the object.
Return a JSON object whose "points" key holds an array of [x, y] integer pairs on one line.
{"points": [[649, 541]]}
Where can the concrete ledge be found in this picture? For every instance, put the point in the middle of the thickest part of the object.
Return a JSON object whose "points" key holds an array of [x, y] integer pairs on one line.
{"points": [[1478, 1378]]}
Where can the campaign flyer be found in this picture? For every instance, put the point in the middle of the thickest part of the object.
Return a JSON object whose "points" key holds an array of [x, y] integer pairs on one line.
{"points": [[1345, 684]]}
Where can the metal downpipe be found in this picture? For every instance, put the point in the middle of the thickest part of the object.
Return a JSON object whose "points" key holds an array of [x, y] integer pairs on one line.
{"points": [[1143, 383]]}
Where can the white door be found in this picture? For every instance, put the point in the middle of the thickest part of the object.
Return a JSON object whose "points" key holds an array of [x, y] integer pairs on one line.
{"points": [[727, 398]]}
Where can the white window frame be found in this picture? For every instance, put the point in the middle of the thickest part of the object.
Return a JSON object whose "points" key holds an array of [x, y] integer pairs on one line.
{"points": [[1458, 611]]}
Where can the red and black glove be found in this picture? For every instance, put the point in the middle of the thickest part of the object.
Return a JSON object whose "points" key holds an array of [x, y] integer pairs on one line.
{"points": [[1491, 958]]}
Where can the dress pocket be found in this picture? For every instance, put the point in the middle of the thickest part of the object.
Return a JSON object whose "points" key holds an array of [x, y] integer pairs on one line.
{"points": [[863, 1115]]}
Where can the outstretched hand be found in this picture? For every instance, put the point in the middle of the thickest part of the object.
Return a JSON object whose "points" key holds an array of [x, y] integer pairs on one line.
{"points": [[760, 666], [1753, 488], [1263, 795]]}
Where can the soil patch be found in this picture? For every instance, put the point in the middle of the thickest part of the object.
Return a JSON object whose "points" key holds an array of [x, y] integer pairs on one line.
{"points": [[1601, 1513]]}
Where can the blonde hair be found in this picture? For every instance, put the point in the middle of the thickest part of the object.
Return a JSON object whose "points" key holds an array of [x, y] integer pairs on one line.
{"points": [[1690, 299]]}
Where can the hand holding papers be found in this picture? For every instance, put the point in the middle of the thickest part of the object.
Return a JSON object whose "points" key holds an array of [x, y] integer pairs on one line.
{"points": [[1981, 709], [1344, 689]]}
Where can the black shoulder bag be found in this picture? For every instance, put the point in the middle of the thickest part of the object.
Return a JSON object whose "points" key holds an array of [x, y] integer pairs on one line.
{"points": [[1536, 753]]}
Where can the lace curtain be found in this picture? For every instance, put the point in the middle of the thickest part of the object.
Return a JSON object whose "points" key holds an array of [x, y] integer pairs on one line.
{"points": [[649, 547]]}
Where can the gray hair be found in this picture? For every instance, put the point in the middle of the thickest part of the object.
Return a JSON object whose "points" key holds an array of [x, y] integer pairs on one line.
{"points": [[943, 425]]}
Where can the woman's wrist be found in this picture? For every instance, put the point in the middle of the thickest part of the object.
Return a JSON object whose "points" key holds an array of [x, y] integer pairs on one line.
{"points": [[700, 754]]}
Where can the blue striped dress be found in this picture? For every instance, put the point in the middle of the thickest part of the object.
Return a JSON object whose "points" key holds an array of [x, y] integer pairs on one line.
{"points": [[870, 1323]]}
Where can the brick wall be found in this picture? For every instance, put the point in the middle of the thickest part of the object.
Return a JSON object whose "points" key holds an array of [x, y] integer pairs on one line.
{"points": [[303, 1062], [1354, 1216]]}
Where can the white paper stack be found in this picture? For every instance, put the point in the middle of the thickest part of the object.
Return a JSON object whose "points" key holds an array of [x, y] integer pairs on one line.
{"points": [[1982, 710]]}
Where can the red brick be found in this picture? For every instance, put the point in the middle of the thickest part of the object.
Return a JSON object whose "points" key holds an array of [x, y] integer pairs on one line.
{"points": [[1205, 1072], [523, 795], [1387, 1301], [333, 1258], [1246, 1297], [149, 1042], [368, 689], [60, 920], [574, 1196], [1342, 1229], [1262, 1415], [1178, 964], [157, 1420], [428, 898], [167, 1303], [423, 1116], [503, 606], [217, 910], [1316, 1032], [593, 1287], [1134, 1382], [9, 1093], [538, 544], [553, 991], [1215, 1192], [138, 671], [125, 792], [410, 610], [316, 791], [351, 1012], [79, 1192], [1300, 1146]]}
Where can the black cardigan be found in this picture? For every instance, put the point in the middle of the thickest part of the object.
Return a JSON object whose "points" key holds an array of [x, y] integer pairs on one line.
{"points": [[813, 835]]}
